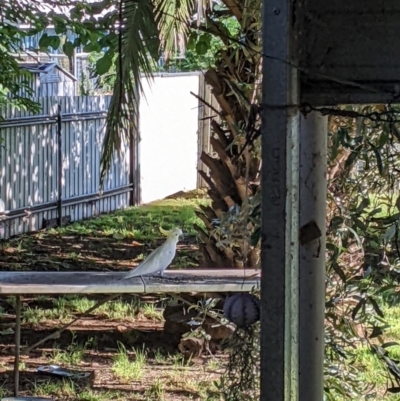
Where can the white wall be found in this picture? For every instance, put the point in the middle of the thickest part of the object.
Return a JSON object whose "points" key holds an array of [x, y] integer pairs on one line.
{"points": [[168, 129]]}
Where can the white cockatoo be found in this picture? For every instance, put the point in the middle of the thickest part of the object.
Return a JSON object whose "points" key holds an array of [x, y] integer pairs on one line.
{"points": [[160, 258]]}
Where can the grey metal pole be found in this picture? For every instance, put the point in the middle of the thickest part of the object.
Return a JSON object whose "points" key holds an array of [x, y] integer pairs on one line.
{"points": [[280, 175], [60, 166], [17, 340], [312, 203]]}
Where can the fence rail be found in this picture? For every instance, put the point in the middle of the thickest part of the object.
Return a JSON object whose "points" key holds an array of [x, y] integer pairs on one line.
{"points": [[50, 165]]}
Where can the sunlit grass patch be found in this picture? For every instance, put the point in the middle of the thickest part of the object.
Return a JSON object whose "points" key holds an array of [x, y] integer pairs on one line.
{"points": [[37, 315], [129, 367], [150, 311], [141, 223], [61, 389]]}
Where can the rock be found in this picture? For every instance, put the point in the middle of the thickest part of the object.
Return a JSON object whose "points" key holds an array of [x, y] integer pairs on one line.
{"points": [[191, 347], [217, 333], [177, 318]]}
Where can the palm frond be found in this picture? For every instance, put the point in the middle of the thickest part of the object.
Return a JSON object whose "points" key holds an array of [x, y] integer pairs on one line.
{"points": [[138, 49], [173, 18]]}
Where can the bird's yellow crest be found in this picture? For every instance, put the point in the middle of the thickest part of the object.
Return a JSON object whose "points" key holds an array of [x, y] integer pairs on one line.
{"points": [[165, 232]]}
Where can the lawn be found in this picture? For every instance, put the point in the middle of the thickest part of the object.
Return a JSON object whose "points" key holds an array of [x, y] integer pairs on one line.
{"points": [[115, 241], [122, 343]]}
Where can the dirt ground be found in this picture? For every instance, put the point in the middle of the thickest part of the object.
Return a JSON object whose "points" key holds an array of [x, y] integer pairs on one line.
{"points": [[165, 376], [107, 335]]}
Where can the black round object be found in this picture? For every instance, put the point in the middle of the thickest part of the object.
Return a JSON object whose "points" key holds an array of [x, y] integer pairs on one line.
{"points": [[242, 309]]}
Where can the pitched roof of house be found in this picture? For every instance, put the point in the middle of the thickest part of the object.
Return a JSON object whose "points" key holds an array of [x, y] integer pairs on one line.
{"points": [[45, 68]]}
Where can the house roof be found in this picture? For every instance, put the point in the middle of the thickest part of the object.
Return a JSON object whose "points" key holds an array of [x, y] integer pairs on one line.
{"points": [[45, 68]]}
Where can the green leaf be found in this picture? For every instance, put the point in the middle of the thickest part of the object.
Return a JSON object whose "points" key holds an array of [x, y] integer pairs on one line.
{"points": [[359, 224], [344, 137], [376, 332], [68, 48], [92, 47], [339, 272], [390, 344], [390, 233], [55, 42], [356, 236], [334, 148], [357, 308], [47, 41], [364, 203], [202, 47], [378, 160], [374, 212], [44, 41], [378, 157], [255, 236], [336, 222], [60, 27], [383, 138], [376, 307], [104, 64], [350, 161], [192, 41], [139, 52]]}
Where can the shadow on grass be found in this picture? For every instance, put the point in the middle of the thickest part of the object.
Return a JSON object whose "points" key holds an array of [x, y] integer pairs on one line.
{"points": [[114, 241], [96, 339]]}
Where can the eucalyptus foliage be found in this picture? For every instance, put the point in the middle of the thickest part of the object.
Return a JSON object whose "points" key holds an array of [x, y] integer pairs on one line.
{"points": [[363, 249]]}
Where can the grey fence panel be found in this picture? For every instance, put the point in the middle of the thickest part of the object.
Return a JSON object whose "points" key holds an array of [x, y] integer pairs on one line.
{"points": [[29, 165]]}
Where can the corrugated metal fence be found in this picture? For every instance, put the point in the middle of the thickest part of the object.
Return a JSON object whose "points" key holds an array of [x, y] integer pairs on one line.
{"points": [[33, 172]]}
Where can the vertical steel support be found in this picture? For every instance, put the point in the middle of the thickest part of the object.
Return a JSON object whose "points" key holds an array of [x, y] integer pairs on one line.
{"points": [[138, 175], [134, 160], [280, 189], [60, 166], [312, 203], [17, 340], [132, 169]]}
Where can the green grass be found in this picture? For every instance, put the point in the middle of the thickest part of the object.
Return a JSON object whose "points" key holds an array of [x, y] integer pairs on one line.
{"points": [[156, 391], [36, 315], [129, 367], [68, 306], [373, 372], [149, 311], [62, 389], [140, 223], [384, 205], [72, 355], [68, 390]]}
